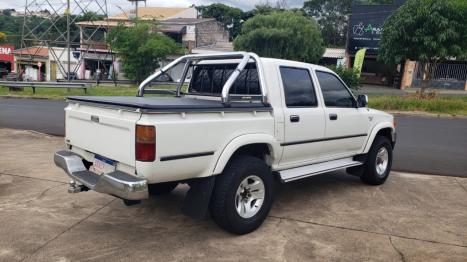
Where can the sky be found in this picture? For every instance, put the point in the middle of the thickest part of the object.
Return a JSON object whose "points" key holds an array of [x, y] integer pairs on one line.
{"points": [[114, 6]]}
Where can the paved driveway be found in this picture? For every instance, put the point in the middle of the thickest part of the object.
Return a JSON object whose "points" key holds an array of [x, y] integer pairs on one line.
{"points": [[328, 217]]}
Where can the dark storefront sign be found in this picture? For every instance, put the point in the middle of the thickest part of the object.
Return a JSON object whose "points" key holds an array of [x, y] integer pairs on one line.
{"points": [[366, 26]]}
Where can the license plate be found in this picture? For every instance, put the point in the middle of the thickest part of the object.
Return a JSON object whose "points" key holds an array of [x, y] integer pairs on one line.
{"points": [[102, 165]]}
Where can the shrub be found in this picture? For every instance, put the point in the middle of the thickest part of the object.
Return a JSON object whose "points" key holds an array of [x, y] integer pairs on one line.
{"points": [[348, 75]]}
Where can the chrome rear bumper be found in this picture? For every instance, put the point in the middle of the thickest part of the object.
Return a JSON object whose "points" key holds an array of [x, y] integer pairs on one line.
{"points": [[115, 183]]}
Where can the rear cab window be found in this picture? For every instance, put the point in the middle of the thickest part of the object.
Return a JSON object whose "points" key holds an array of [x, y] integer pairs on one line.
{"points": [[209, 79]]}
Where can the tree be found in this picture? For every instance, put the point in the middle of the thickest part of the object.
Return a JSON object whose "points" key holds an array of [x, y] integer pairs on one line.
{"points": [[428, 31], [2, 38], [267, 7], [231, 17], [332, 16], [286, 35], [141, 49]]}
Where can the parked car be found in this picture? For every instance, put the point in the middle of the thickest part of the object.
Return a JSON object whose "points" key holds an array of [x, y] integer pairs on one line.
{"points": [[243, 123]]}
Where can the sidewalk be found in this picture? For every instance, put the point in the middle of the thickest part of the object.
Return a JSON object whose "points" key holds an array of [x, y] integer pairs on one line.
{"points": [[331, 217]]}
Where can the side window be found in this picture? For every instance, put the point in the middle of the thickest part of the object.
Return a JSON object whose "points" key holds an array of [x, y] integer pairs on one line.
{"points": [[334, 92], [298, 87]]}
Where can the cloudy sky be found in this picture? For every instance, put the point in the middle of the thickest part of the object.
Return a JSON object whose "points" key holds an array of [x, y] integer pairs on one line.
{"points": [[115, 5]]}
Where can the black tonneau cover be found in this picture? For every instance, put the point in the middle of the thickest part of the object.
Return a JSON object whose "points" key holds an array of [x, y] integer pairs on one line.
{"points": [[169, 104]]}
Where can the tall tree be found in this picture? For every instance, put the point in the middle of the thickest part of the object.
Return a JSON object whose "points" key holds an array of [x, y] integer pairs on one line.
{"points": [[231, 17], [141, 49], [286, 35], [428, 31], [332, 16]]}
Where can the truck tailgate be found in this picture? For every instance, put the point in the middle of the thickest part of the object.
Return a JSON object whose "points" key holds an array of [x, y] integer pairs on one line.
{"points": [[107, 132]]}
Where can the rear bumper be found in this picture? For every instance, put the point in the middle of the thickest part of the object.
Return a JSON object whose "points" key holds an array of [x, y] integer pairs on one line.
{"points": [[116, 183]]}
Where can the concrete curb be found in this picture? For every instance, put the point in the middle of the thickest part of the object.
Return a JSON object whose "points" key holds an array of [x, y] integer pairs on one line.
{"points": [[426, 114]]}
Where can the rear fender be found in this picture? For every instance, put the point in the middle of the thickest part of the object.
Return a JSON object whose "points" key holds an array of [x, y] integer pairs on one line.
{"points": [[243, 140]]}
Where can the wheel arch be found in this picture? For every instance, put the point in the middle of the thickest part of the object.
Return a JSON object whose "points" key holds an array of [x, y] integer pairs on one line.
{"points": [[385, 129], [258, 145]]}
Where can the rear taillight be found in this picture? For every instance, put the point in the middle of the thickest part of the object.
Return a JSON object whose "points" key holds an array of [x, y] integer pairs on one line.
{"points": [[145, 143]]}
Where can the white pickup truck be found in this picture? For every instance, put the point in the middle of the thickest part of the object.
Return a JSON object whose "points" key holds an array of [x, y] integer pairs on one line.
{"points": [[235, 125]]}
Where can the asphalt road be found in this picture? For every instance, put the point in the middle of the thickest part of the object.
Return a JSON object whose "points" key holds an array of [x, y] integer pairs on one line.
{"points": [[425, 145]]}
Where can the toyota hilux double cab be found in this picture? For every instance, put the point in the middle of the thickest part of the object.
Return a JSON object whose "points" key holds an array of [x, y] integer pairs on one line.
{"points": [[233, 125]]}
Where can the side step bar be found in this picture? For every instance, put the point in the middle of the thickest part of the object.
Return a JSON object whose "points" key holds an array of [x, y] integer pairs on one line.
{"points": [[316, 169]]}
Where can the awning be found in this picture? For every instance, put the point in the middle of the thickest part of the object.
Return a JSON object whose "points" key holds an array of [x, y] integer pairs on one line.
{"points": [[334, 53]]}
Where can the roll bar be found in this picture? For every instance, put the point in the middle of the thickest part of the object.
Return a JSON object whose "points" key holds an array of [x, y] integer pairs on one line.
{"points": [[188, 59]]}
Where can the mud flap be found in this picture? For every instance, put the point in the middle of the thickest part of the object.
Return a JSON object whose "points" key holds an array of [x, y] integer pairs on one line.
{"points": [[197, 199]]}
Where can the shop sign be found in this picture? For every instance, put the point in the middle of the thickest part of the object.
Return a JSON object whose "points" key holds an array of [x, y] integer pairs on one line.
{"points": [[6, 53]]}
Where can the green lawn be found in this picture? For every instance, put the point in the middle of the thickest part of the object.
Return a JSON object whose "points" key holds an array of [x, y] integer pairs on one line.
{"points": [[61, 93], [452, 105]]}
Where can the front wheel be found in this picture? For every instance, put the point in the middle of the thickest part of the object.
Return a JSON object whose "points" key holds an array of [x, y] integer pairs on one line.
{"points": [[242, 195], [378, 163]]}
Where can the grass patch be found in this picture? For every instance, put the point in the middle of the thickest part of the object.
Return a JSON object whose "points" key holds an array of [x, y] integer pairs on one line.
{"points": [[62, 93], [455, 105]]}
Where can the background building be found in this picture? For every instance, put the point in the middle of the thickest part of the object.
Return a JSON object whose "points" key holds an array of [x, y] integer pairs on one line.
{"points": [[181, 24], [7, 59], [365, 31]]}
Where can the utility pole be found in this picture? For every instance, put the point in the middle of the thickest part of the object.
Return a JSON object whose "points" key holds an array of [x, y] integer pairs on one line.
{"points": [[68, 40], [136, 10], [50, 33], [136, 7]]}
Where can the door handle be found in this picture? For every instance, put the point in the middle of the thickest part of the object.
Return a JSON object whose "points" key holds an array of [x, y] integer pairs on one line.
{"points": [[333, 116], [294, 118]]}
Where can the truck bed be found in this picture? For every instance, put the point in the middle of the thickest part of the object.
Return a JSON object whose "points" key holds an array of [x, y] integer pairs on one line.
{"points": [[168, 104]]}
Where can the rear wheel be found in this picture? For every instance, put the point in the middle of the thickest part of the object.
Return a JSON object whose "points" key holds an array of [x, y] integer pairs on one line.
{"points": [[162, 188], [242, 195], [378, 163]]}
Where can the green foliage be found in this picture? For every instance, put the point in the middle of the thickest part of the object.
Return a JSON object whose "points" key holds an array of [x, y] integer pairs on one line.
{"points": [[12, 26], [286, 35], [141, 49], [348, 75], [2, 38], [428, 31], [332, 16], [374, 2], [230, 17]]}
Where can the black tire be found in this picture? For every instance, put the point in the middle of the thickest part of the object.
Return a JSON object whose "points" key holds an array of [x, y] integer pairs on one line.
{"points": [[223, 205], [370, 175], [161, 188]]}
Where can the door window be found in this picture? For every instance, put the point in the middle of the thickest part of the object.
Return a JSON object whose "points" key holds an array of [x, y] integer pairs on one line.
{"points": [[298, 87], [335, 94]]}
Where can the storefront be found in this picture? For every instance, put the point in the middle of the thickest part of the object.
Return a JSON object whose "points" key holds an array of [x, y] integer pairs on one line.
{"points": [[365, 31], [32, 63], [7, 60]]}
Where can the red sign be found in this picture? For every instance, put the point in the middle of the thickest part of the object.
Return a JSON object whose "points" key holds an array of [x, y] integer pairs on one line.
{"points": [[6, 53]]}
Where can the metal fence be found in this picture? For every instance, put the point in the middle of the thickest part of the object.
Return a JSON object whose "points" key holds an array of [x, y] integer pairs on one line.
{"points": [[449, 75]]}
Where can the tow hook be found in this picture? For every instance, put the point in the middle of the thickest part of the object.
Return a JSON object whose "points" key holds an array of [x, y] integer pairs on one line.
{"points": [[75, 188]]}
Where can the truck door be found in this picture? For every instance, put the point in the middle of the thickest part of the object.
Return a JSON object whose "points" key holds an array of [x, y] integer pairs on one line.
{"points": [[304, 117], [346, 124]]}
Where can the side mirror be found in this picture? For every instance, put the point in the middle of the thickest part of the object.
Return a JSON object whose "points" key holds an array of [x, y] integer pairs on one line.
{"points": [[362, 100]]}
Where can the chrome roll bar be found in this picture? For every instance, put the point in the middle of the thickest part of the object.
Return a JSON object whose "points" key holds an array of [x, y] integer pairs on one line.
{"points": [[188, 59]]}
